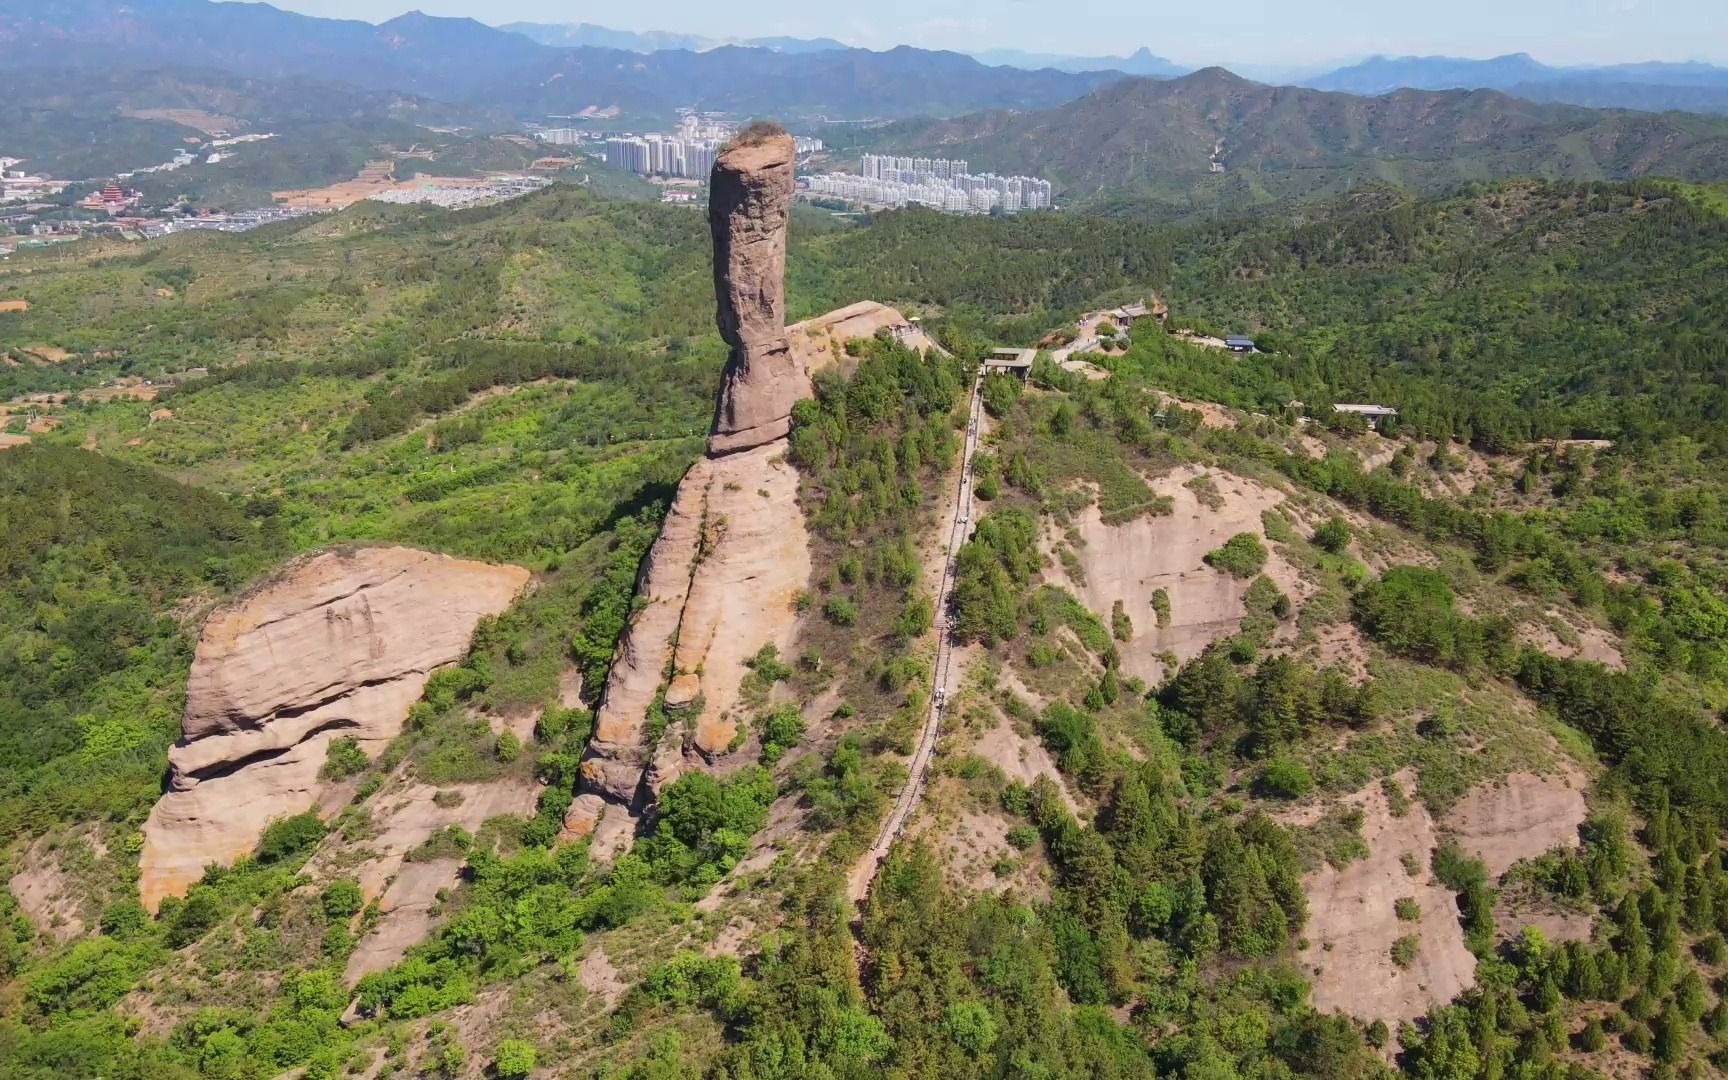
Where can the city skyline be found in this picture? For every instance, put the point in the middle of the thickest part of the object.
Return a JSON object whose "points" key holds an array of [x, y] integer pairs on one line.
{"points": [[1248, 32]]}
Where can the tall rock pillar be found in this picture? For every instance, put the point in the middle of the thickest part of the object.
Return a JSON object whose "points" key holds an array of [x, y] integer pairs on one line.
{"points": [[723, 578], [749, 201]]}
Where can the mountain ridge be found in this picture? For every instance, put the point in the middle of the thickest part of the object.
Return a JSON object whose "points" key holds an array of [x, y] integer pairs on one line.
{"points": [[1213, 139], [469, 63], [1652, 85]]}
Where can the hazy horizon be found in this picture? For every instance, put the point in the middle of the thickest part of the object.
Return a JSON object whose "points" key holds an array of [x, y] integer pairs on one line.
{"points": [[1255, 33]]}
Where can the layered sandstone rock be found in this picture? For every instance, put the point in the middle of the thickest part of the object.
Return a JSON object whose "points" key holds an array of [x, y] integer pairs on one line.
{"points": [[336, 645], [749, 200], [719, 583], [721, 579]]}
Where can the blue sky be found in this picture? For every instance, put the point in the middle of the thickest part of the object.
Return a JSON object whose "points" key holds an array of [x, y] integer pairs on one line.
{"points": [[1260, 32]]}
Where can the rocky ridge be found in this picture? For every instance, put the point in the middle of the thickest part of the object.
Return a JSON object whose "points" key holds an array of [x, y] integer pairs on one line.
{"points": [[721, 580], [335, 645]]}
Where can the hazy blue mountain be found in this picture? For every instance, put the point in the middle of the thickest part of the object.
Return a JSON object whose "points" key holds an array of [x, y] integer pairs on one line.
{"points": [[1651, 86], [576, 35], [1383, 74], [568, 35], [466, 62], [795, 45], [1139, 62]]}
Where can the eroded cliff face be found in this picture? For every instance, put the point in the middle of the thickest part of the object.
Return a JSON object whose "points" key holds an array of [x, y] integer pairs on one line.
{"points": [[721, 579], [749, 201], [335, 645]]}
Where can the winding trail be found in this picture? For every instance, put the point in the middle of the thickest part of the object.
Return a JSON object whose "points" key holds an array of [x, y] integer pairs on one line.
{"points": [[960, 526]]}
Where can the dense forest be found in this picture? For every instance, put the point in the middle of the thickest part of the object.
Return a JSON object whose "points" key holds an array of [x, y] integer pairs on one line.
{"points": [[1129, 888]]}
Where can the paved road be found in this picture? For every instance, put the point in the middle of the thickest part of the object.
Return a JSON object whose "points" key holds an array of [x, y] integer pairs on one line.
{"points": [[959, 528]]}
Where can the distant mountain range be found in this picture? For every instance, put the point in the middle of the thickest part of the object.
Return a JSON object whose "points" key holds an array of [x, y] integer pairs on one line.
{"points": [[1215, 140], [577, 35], [1652, 86], [468, 63], [1140, 62]]}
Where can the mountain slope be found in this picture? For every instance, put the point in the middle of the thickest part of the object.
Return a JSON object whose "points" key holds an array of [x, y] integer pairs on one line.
{"points": [[1161, 139]]}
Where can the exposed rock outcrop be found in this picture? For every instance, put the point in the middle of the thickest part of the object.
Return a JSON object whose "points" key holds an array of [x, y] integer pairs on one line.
{"points": [[749, 200], [721, 579], [336, 645], [404, 816]]}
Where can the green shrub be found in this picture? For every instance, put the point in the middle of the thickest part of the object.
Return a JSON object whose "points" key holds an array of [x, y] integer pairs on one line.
{"points": [[344, 758], [1333, 535], [1407, 909], [781, 728], [290, 838], [514, 1059], [840, 610], [342, 899], [1286, 778], [915, 619], [1404, 950], [767, 665], [1242, 556]]}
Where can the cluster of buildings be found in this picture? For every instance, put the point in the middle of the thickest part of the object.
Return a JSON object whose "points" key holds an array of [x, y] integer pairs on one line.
{"points": [[687, 153], [939, 183], [233, 221], [16, 184], [662, 155]]}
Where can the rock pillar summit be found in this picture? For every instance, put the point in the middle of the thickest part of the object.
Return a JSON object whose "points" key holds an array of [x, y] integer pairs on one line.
{"points": [[749, 201], [722, 579]]}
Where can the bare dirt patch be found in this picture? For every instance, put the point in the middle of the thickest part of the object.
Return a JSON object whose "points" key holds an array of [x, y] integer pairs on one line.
{"points": [[48, 354], [1352, 923], [197, 119], [1086, 370], [1342, 646], [1021, 759], [1374, 450], [1512, 915], [600, 978], [47, 893], [1131, 562], [971, 846], [1578, 643], [14, 305], [1212, 416], [1518, 818]]}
